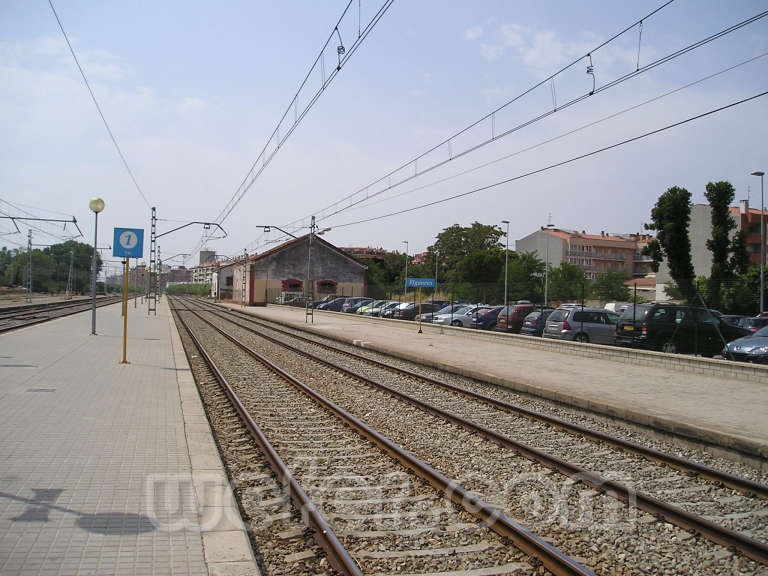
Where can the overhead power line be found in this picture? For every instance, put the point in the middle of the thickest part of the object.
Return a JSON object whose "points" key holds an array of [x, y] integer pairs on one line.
{"points": [[98, 108], [552, 166], [386, 182], [387, 178], [564, 134], [277, 139]]}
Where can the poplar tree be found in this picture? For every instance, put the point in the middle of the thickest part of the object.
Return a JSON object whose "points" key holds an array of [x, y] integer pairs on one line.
{"points": [[671, 217]]}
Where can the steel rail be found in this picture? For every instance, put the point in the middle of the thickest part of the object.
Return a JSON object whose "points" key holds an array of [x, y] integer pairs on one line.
{"points": [[495, 519], [750, 547], [338, 557], [682, 464], [86, 306]]}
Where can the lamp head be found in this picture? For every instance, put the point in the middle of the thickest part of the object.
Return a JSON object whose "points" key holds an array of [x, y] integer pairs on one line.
{"points": [[96, 205], [758, 173]]}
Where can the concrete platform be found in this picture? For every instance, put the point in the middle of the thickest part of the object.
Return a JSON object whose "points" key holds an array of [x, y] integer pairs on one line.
{"points": [[109, 468], [713, 401]]}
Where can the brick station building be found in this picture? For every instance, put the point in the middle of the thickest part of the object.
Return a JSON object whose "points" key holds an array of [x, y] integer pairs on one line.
{"points": [[283, 271]]}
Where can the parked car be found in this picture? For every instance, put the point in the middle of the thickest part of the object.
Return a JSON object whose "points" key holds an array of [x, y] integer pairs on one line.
{"points": [[328, 298], [487, 320], [511, 318], [353, 303], [753, 348], [389, 312], [595, 325], [410, 311], [753, 324], [675, 328], [428, 317], [734, 319], [462, 317], [372, 304], [333, 305], [533, 324], [378, 311]]}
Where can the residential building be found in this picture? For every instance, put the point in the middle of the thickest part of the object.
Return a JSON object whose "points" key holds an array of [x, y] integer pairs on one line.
{"points": [[366, 253], [593, 253], [700, 230]]}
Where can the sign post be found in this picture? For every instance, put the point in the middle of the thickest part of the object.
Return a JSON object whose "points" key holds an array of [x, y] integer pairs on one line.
{"points": [[420, 283], [128, 243]]}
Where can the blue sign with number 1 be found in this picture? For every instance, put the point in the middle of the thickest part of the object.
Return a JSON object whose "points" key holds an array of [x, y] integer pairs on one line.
{"points": [[129, 243]]}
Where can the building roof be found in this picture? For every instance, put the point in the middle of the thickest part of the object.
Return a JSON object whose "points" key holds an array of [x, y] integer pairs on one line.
{"points": [[570, 234], [299, 240], [645, 282]]}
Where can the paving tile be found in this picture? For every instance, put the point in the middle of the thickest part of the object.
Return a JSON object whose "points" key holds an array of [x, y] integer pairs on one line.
{"points": [[89, 447]]}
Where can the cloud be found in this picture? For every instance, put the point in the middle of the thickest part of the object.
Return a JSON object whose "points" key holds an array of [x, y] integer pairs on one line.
{"points": [[513, 34], [473, 33], [491, 52], [191, 104]]}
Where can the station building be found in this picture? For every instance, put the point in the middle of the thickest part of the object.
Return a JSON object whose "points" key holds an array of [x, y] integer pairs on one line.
{"points": [[282, 271]]}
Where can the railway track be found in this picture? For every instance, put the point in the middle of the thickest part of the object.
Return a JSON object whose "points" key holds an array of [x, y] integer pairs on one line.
{"points": [[733, 514], [17, 317], [389, 509]]}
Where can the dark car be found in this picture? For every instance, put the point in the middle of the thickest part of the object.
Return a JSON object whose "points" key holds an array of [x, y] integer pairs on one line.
{"points": [[487, 319], [675, 328], [354, 306], [753, 324], [329, 298], [752, 348], [511, 318], [410, 311], [533, 324], [353, 303], [334, 305]]}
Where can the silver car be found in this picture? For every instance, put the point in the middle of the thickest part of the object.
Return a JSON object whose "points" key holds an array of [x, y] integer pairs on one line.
{"points": [[462, 317], [582, 325]]}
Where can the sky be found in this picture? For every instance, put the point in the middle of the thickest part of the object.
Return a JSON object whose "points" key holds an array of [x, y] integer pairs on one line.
{"points": [[193, 91]]}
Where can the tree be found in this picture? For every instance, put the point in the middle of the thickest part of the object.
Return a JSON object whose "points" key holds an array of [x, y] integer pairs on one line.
{"points": [[719, 195], [566, 282], [526, 273], [670, 219], [739, 262], [456, 243], [610, 286]]}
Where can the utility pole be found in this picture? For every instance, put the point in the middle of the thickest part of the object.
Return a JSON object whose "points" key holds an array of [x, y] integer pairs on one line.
{"points": [[69, 277], [151, 281], [309, 292], [28, 279], [243, 284]]}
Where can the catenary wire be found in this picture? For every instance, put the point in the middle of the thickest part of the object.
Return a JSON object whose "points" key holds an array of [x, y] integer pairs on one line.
{"points": [[553, 166], [98, 108], [564, 134], [251, 176], [528, 122], [490, 114], [253, 173]]}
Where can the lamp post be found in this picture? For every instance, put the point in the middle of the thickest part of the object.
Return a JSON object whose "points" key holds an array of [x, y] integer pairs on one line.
{"points": [[437, 260], [546, 267], [762, 236], [405, 285], [96, 205], [506, 269]]}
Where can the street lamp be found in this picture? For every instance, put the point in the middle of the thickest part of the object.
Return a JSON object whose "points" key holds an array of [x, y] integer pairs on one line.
{"points": [[96, 205], [762, 237], [437, 260], [506, 268], [546, 267], [405, 287]]}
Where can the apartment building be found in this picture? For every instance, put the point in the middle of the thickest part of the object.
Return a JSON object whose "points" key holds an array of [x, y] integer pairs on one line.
{"points": [[596, 254]]}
